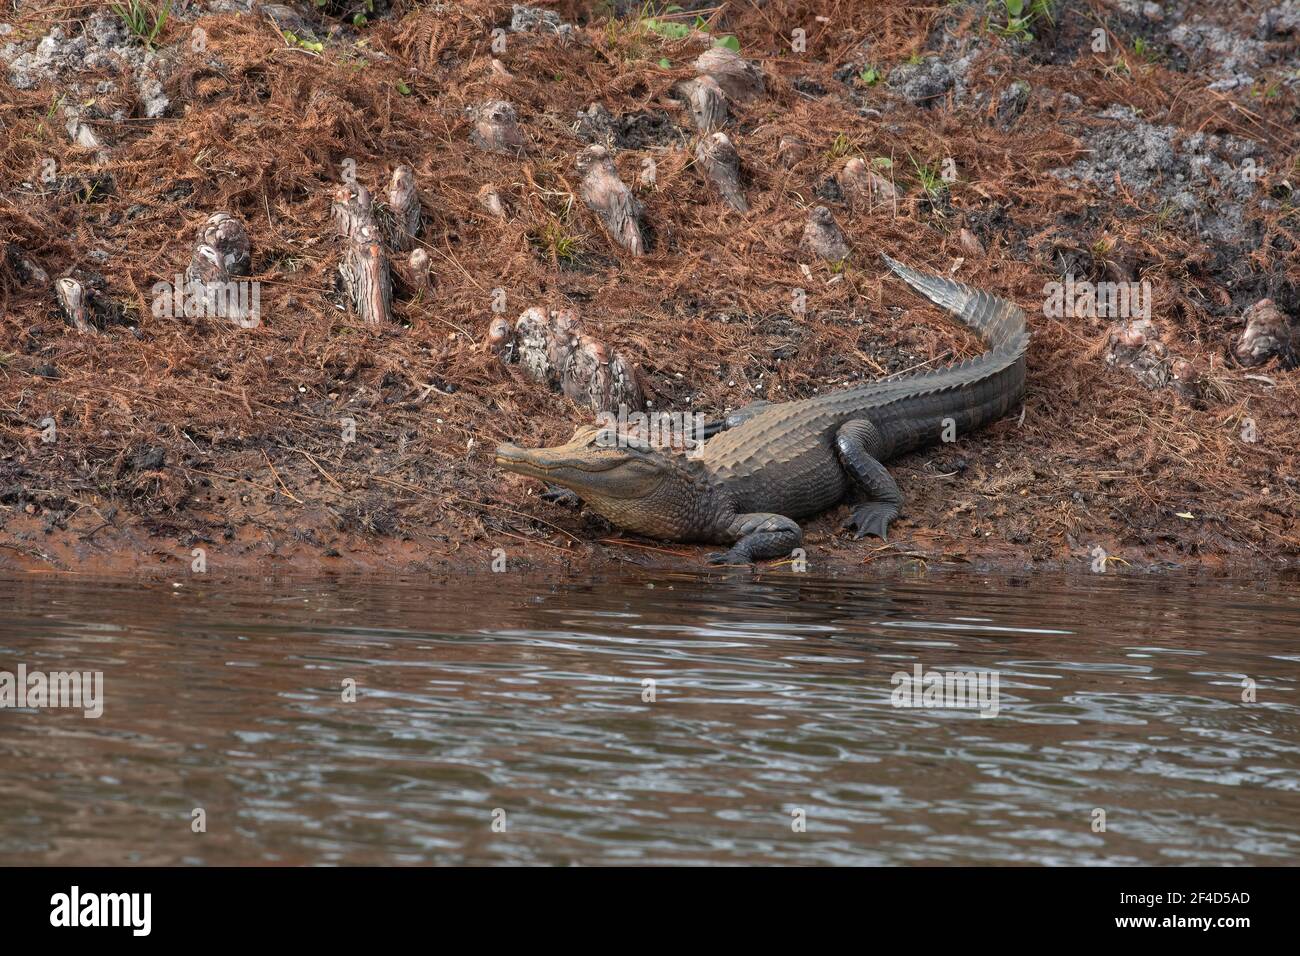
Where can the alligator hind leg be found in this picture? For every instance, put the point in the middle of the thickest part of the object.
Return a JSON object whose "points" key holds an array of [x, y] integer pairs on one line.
{"points": [[857, 443], [759, 535]]}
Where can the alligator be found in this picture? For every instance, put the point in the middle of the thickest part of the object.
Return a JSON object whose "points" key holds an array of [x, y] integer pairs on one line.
{"points": [[770, 464]]}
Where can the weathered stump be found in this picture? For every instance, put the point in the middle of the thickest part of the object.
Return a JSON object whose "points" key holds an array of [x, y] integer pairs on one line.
{"points": [[822, 236], [75, 303], [366, 278], [739, 79], [721, 163], [351, 209], [496, 128], [791, 151], [1267, 333], [553, 350], [417, 267], [707, 103], [227, 236], [363, 267], [610, 198], [404, 204]]}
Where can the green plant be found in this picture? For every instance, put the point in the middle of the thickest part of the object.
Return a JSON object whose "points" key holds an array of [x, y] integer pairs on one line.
{"points": [[315, 46], [667, 28], [143, 20], [870, 76], [841, 146], [929, 179], [1020, 15], [666, 25], [1272, 90], [558, 243]]}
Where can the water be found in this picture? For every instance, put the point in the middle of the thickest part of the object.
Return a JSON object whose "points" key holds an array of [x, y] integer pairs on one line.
{"points": [[772, 700]]}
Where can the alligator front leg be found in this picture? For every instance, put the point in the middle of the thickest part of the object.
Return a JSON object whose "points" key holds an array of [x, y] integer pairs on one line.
{"points": [[759, 535], [857, 443], [565, 497]]}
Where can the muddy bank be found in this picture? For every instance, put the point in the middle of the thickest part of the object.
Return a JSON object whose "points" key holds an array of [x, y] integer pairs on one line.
{"points": [[350, 426]]}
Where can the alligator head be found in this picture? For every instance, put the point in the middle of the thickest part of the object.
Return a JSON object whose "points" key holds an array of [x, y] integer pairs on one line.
{"points": [[618, 476]]}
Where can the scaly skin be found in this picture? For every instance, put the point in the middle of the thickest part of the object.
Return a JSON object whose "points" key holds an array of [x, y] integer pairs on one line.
{"points": [[772, 464]]}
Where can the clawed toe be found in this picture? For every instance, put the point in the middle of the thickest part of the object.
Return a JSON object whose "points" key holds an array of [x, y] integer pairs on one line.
{"points": [[869, 521], [726, 557]]}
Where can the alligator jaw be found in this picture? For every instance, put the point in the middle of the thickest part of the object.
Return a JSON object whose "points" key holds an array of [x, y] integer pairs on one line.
{"points": [[549, 464], [523, 461]]}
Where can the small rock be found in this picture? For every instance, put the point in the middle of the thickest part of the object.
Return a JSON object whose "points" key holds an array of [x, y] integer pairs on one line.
{"points": [[969, 244], [863, 186], [791, 151], [490, 200], [923, 83]]}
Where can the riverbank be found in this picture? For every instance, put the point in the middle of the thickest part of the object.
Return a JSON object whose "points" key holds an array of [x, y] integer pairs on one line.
{"points": [[1014, 158]]}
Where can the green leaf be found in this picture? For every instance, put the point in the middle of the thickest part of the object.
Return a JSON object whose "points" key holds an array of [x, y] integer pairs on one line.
{"points": [[665, 63], [730, 42], [666, 28], [403, 88]]}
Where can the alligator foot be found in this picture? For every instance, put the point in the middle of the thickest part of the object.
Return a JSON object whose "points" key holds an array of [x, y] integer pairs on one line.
{"points": [[873, 517], [728, 557], [556, 495], [759, 535]]}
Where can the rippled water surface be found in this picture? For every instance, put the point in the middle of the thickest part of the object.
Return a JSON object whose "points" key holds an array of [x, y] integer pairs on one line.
{"points": [[507, 701]]}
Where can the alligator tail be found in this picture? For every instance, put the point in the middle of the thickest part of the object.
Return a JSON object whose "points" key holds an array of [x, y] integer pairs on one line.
{"points": [[1001, 324]]}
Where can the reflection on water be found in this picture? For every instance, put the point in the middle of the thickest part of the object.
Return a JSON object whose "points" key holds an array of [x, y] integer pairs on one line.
{"points": [[772, 703]]}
